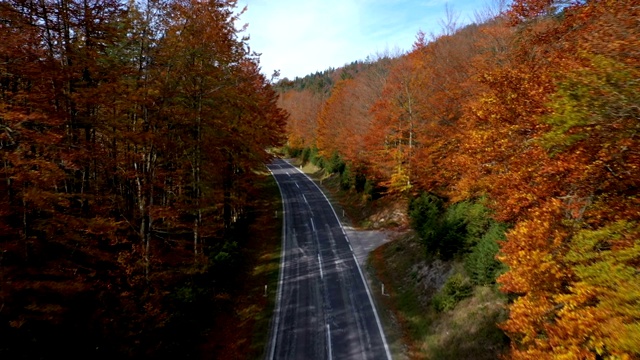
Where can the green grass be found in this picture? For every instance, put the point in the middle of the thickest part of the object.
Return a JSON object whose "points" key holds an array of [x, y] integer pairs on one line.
{"points": [[414, 328], [468, 331]]}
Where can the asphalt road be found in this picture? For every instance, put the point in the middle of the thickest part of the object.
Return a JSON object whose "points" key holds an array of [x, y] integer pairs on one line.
{"points": [[324, 308]]}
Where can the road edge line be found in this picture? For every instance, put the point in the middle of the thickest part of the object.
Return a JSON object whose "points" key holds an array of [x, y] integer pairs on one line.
{"points": [[274, 328], [366, 284]]}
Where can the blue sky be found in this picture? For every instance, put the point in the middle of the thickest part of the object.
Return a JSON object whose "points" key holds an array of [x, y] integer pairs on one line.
{"points": [[300, 37]]}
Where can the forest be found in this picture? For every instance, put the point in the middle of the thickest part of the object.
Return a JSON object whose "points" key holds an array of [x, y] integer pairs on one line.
{"points": [[516, 140], [131, 134]]}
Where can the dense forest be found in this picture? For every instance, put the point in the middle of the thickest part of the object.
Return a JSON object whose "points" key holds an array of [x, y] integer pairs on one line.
{"points": [[516, 138], [130, 136]]}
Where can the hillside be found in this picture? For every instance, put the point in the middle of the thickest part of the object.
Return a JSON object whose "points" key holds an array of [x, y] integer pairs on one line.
{"points": [[513, 142]]}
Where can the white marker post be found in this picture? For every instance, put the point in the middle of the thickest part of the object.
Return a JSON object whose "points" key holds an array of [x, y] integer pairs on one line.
{"points": [[265, 291]]}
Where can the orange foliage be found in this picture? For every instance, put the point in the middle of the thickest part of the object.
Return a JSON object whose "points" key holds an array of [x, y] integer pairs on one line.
{"points": [[542, 118]]}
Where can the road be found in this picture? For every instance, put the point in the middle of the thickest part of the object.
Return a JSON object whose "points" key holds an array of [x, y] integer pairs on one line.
{"points": [[324, 308]]}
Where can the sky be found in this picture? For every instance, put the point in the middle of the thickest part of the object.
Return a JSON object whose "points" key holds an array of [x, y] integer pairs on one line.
{"points": [[300, 37]]}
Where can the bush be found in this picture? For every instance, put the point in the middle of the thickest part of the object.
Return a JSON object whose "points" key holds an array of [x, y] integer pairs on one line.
{"points": [[442, 232], [481, 264], [474, 217], [335, 164], [306, 155], [360, 182], [425, 213], [315, 157], [455, 289], [346, 179], [456, 230], [292, 151]]}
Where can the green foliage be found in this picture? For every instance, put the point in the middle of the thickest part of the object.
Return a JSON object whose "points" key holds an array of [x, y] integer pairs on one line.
{"points": [[347, 180], [292, 151], [473, 217], [455, 289], [481, 263], [315, 157], [305, 156], [589, 101], [335, 164], [464, 227], [425, 213]]}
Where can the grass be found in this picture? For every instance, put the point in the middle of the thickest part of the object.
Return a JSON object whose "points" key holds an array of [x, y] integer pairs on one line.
{"points": [[414, 329], [469, 331]]}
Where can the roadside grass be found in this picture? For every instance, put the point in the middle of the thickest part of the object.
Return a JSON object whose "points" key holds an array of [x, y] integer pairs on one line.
{"points": [[413, 327], [468, 331], [242, 331]]}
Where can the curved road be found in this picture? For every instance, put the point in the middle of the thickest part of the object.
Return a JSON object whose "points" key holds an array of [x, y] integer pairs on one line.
{"points": [[324, 308]]}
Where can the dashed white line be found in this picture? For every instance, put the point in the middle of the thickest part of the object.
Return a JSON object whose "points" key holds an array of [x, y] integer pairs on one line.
{"points": [[320, 263], [329, 341]]}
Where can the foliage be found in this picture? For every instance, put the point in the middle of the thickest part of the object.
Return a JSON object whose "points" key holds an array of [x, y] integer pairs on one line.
{"points": [[596, 101], [455, 289], [425, 213], [534, 110], [335, 164], [347, 180], [457, 229], [481, 263], [130, 135]]}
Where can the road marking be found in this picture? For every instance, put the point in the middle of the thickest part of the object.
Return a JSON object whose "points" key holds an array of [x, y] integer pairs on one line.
{"points": [[289, 175], [364, 281], [313, 226], [329, 340], [298, 185], [274, 335], [320, 262], [305, 199]]}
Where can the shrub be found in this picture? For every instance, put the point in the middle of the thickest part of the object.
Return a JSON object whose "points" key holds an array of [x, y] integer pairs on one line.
{"points": [[335, 164], [425, 213], [455, 289], [292, 151], [360, 182], [346, 179], [306, 155], [481, 264]]}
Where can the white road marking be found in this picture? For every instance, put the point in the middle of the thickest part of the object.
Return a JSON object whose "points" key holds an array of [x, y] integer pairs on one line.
{"points": [[278, 309], [329, 341], [320, 262], [364, 281]]}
